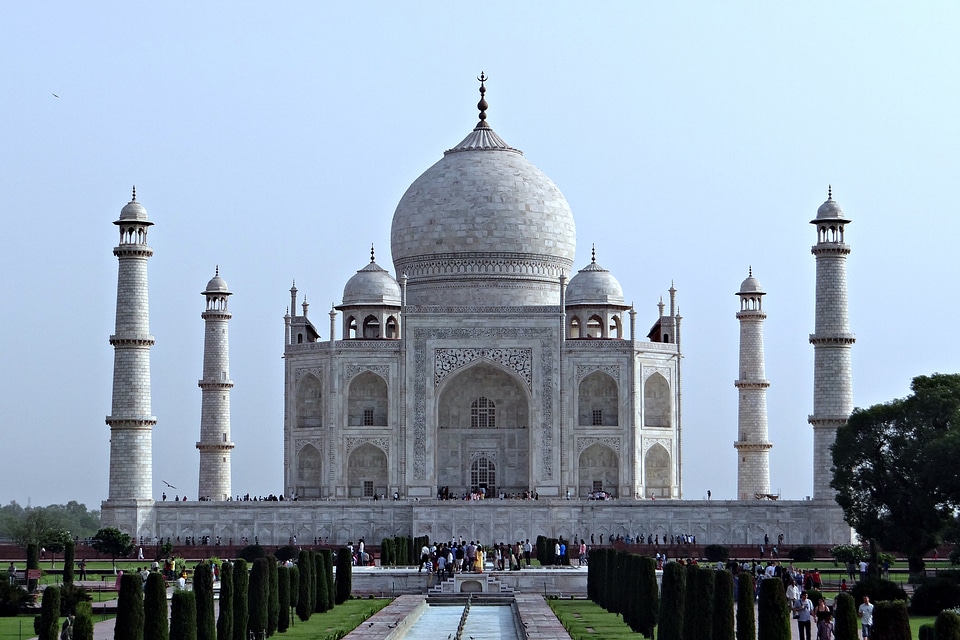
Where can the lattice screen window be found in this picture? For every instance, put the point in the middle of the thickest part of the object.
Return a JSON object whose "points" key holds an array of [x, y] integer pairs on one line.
{"points": [[368, 417], [483, 414], [368, 488], [597, 417]]}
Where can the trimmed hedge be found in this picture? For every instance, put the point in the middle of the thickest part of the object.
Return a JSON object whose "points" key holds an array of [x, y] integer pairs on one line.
{"points": [[259, 593], [273, 596], [344, 584], [183, 616], [83, 622], [877, 589], [933, 596], [283, 598], [890, 621], [716, 553], [241, 588], [50, 614], [947, 626], [225, 619], [845, 616], [203, 601], [746, 614], [129, 624], [304, 588], [723, 615], [672, 599], [803, 553], [155, 623], [773, 611]]}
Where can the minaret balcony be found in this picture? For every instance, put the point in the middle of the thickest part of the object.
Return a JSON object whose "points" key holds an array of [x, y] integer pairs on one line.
{"points": [[834, 338], [752, 446], [751, 384], [131, 341]]}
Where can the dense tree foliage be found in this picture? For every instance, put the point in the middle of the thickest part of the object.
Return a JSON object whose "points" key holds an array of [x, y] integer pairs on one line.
{"points": [[746, 614], [723, 620], [83, 622], [344, 584], [241, 585], [69, 553], [773, 611], [283, 598], [155, 623], [305, 586], [129, 624], [30, 524], [50, 615], [273, 596], [673, 590], [112, 542], [891, 621], [894, 468], [947, 626], [225, 616], [258, 595], [328, 574], [845, 616], [203, 600], [183, 616]]}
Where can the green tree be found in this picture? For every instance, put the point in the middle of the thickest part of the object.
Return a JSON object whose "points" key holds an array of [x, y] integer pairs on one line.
{"points": [[746, 614], [112, 542], [129, 624], [273, 597], [183, 616], [225, 619], [891, 621], [328, 574], [691, 604], [83, 622], [155, 623], [320, 583], [344, 583], [203, 600], [50, 614], [705, 586], [648, 597], [283, 598], [294, 589], [773, 611], [890, 472], [947, 626], [258, 595], [69, 554], [241, 588], [33, 526], [845, 615], [33, 562], [723, 620], [56, 542], [305, 570], [672, 599]]}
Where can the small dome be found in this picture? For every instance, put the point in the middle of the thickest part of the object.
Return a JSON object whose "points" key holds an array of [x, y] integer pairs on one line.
{"points": [[830, 210], [371, 285], [133, 211], [217, 284], [750, 285], [594, 285]]}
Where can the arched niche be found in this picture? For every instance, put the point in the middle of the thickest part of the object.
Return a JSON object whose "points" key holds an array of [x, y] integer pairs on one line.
{"points": [[367, 401], [599, 469], [309, 472], [371, 327], [574, 332], [598, 401], [656, 402], [309, 402], [656, 471], [367, 471]]}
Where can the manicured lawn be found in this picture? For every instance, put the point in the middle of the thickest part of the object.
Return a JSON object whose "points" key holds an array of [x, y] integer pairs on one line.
{"points": [[341, 620], [583, 619]]}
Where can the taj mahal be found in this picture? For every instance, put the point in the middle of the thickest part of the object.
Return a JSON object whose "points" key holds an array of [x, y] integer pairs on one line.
{"points": [[486, 362]]}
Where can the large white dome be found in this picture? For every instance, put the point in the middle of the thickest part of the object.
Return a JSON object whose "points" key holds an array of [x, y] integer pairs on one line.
{"points": [[483, 226]]}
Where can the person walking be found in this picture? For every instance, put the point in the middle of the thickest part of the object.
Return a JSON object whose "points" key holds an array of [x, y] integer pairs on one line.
{"points": [[803, 608], [865, 613]]}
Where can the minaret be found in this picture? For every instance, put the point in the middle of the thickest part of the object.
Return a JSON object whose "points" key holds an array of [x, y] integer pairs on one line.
{"points": [[832, 342], [215, 445], [130, 419], [753, 449]]}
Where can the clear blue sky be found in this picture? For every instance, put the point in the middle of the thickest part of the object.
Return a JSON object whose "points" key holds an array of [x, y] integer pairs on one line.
{"points": [[692, 140]]}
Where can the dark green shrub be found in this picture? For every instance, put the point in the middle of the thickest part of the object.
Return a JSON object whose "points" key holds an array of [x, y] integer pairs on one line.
{"points": [[890, 621], [129, 624], [320, 584], [947, 626], [648, 597], [283, 598], [703, 621], [83, 622], [746, 614], [926, 632], [273, 597], [50, 614], [877, 589], [294, 586], [723, 620], [814, 596], [203, 601], [386, 552], [773, 611], [344, 584], [845, 618], [305, 569], [848, 553], [259, 593], [183, 616], [252, 552], [13, 598], [803, 553], [69, 554], [155, 623], [672, 599], [70, 595], [716, 553], [225, 617], [241, 589], [691, 605], [286, 552], [933, 596]]}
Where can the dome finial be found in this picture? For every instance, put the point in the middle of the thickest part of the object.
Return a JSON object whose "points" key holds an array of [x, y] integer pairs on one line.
{"points": [[593, 252], [372, 259], [482, 105], [829, 192], [134, 199], [750, 271], [216, 272]]}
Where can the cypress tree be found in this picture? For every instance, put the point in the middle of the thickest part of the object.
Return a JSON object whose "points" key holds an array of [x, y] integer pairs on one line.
{"points": [[673, 592], [723, 621], [183, 616], [891, 621], [304, 566], [593, 574], [773, 611], [33, 562], [344, 583], [273, 599], [155, 624], [320, 578], [845, 625], [746, 614], [241, 587], [283, 598], [69, 554], [703, 621], [648, 610], [294, 588], [83, 622], [258, 595], [129, 624], [225, 619], [328, 574], [947, 626], [386, 551], [50, 614], [690, 603], [203, 601]]}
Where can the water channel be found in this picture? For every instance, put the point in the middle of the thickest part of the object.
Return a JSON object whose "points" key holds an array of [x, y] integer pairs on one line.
{"points": [[482, 622]]}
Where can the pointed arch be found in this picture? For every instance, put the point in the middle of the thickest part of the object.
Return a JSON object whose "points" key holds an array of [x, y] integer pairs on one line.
{"points": [[598, 401], [352, 331], [574, 331], [309, 402], [616, 329], [657, 405], [595, 327], [309, 470], [367, 401], [656, 471], [393, 328], [371, 327], [598, 470], [367, 471]]}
